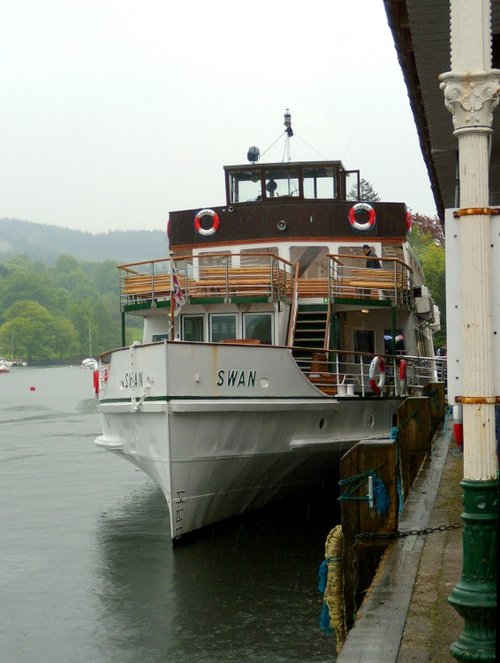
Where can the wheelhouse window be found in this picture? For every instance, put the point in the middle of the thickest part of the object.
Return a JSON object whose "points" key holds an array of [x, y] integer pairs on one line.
{"points": [[258, 326], [244, 186], [222, 327], [281, 183], [320, 183], [193, 328]]}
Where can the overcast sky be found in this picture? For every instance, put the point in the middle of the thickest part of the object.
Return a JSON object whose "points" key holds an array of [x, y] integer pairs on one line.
{"points": [[114, 113]]}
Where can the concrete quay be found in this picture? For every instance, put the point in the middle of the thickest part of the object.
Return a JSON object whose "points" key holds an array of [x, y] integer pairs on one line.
{"points": [[405, 617]]}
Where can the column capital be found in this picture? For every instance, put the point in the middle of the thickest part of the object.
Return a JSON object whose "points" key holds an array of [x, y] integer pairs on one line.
{"points": [[471, 99]]}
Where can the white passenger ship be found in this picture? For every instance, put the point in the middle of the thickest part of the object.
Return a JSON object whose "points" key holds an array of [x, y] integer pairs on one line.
{"points": [[269, 347]]}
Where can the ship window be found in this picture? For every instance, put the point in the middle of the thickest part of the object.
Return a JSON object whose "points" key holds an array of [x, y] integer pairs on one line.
{"points": [[281, 183], [258, 256], [259, 326], [320, 183], [244, 186], [192, 328], [222, 327], [313, 261], [211, 258]]}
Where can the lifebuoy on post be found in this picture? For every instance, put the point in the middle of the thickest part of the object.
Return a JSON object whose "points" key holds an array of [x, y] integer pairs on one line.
{"points": [[205, 232], [402, 377], [377, 387], [372, 217]]}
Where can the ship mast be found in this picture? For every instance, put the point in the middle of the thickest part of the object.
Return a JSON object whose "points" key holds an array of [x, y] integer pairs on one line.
{"points": [[289, 134]]}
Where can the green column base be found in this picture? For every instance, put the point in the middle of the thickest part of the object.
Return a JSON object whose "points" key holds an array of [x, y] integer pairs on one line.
{"points": [[475, 596]]}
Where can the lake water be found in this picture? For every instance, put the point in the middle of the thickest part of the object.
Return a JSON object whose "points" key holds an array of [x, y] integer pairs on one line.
{"points": [[87, 569]]}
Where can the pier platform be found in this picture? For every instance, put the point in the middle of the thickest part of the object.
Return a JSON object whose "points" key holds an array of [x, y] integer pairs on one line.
{"points": [[405, 617]]}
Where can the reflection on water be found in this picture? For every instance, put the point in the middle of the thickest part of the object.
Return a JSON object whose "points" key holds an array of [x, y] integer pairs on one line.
{"points": [[87, 570], [241, 591]]}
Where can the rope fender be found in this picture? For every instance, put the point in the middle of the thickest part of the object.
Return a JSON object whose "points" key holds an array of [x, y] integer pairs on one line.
{"points": [[332, 586]]}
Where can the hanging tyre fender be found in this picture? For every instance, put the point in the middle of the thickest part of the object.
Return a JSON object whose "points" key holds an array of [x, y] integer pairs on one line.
{"points": [[372, 217], [377, 387]]}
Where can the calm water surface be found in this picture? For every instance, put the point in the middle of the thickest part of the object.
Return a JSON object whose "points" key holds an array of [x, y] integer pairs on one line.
{"points": [[87, 570]]}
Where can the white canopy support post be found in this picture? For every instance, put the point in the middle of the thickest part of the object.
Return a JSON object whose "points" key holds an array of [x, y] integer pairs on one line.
{"points": [[471, 92]]}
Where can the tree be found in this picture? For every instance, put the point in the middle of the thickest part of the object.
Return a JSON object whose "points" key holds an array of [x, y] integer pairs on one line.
{"points": [[27, 285], [428, 241], [366, 192], [426, 225], [35, 333]]}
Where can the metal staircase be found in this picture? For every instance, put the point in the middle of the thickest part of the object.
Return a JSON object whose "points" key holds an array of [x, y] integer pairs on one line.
{"points": [[310, 333]]}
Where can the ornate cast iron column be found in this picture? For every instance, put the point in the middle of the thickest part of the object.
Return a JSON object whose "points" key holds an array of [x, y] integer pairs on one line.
{"points": [[471, 92]]}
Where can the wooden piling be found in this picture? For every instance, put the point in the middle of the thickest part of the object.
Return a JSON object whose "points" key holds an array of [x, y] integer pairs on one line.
{"points": [[396, 462]]}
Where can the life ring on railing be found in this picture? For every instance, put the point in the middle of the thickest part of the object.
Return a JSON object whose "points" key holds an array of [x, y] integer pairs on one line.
{"points": [[402, 376], [372, 217], [377, 387], [205, 232]]}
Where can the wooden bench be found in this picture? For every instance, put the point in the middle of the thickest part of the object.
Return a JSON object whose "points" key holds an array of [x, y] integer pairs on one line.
{"points": [[371, 278], [142, 284], [313, 287], [249, 280], [212, 281], [221, 272]]}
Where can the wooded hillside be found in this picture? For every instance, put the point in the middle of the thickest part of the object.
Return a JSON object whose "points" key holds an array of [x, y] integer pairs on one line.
{"points": [[46, 243]]}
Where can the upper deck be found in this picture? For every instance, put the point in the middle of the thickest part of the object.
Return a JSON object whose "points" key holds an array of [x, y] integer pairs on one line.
{"points": [[286, 202]]}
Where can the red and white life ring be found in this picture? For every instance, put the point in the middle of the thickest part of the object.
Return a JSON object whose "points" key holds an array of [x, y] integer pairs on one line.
{"points": [[372, 217], [409, 221], [205, 232], [377, 387], [402, 376], [95, 379]]}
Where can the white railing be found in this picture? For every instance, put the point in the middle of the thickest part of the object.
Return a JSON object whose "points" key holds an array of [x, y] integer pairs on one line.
{"points": [[348, 373]]}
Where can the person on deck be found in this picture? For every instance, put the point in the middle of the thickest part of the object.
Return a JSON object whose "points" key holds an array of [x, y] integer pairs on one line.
{"points": [[372, 261]]}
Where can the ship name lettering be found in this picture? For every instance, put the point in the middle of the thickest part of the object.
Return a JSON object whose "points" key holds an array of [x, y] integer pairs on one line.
{"points": [[235, 377], [132, 380]]}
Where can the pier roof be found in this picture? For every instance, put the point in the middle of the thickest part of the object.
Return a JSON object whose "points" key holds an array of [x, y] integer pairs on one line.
{"points": [[421, 31]]}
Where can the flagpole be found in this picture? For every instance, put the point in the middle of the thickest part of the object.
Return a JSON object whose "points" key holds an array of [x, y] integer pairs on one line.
{"points": [[172, 299]]}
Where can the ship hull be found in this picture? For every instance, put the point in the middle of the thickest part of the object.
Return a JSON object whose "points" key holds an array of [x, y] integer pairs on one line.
{"points": [[225, 429]]}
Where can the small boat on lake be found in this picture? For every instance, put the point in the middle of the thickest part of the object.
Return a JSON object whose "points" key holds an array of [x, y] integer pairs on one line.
{"points": [[269, 346], [5, 366]]}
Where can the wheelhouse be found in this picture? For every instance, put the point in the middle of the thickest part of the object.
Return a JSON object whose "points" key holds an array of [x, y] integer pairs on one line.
{"points": [[271, 182]]}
